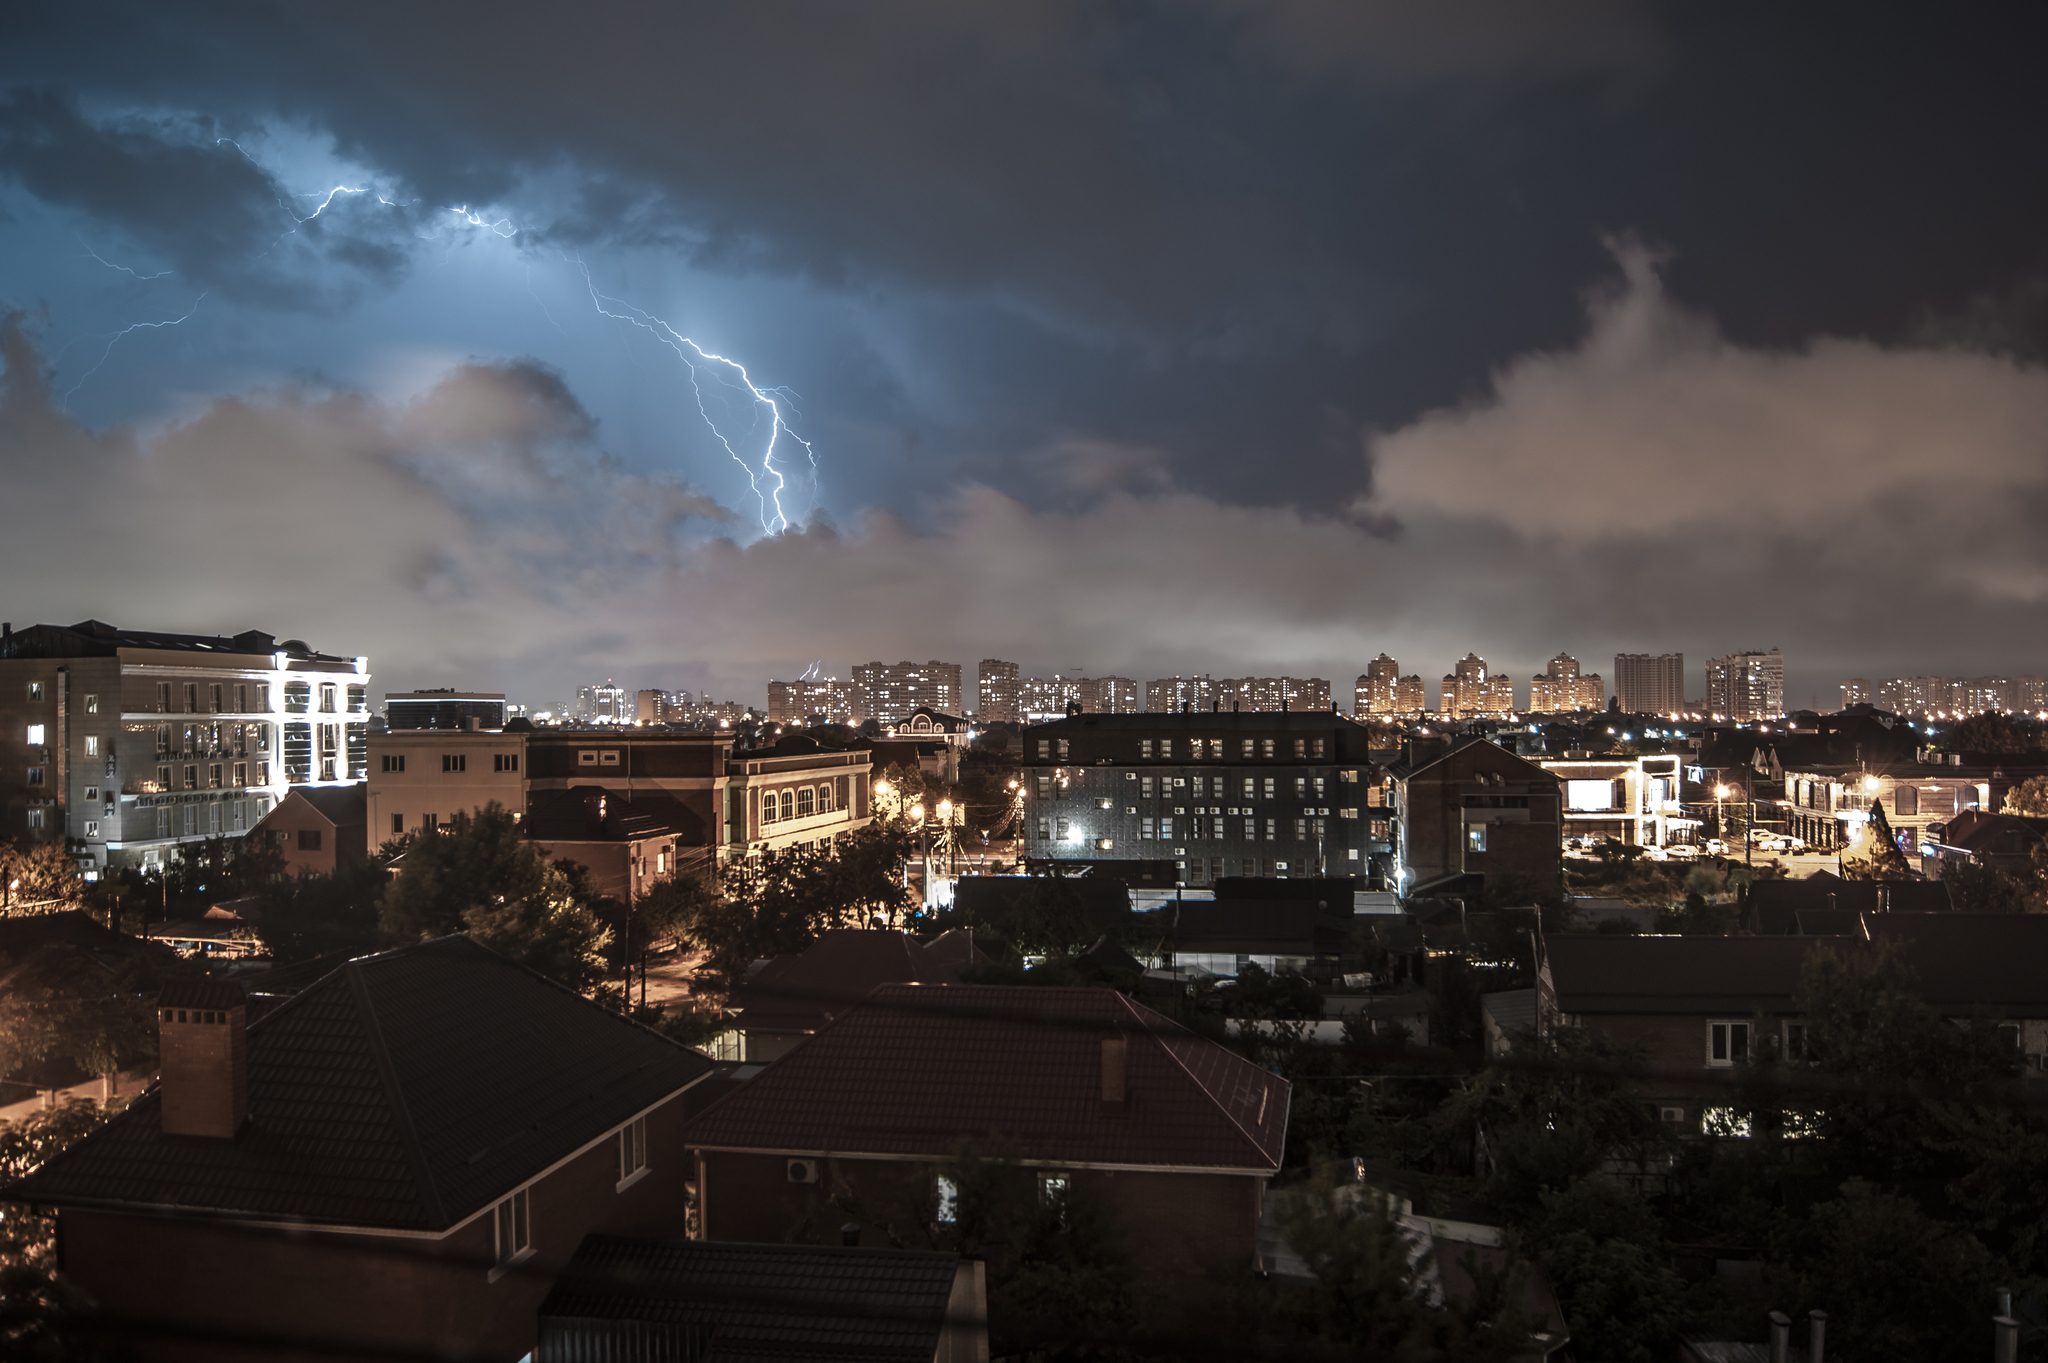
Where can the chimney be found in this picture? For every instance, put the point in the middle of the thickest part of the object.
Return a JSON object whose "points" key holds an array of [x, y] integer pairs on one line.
{"points": [[849, 1234], [202, 1043], [1781, 1337], [1116, 1054], [2005, 1339], [1816, 1334]]}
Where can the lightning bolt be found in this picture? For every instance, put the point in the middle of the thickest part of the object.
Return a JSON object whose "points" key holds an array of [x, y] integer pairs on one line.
{"points": [[113, 340], [145, 278], [694, 357]]}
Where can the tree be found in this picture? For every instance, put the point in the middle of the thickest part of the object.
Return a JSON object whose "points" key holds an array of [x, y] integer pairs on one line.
{"points": [[1885, 861], [2029, 798], [315, 915], [40, 874], [1975, 887], [483, 877], [41, 1315], [1990, 732], [1604, 1252], [777, 903]]}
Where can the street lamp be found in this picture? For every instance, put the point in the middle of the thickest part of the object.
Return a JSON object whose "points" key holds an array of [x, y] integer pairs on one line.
{"points": [[1720, 815]]}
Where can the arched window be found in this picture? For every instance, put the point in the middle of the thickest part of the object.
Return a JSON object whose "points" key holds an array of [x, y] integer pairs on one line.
{"points": [[805, 805], [768, 807], [825, 799], [788, 804]]}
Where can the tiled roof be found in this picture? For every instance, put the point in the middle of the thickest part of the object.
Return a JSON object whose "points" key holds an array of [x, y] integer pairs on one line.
{"points": [[403, 1091], [201, 992], [757, 1302], [1963, 961], [342, 806], [1776, 905], [1600, 973], [95, 639], [804, 991], [917, 1069]]}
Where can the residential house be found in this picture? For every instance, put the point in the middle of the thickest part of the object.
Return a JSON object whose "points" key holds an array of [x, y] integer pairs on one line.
{"points": [[626, 848], [621, 1299], [317, 829], [390, 1163], [790, 997], [1473, 812], [1824, 904], [1223, 936], [2006, 842], [420, 778], [1081, 1091], [1637, 801]]}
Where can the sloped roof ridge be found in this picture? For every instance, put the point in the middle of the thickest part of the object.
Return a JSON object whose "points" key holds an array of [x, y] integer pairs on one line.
{"points": [[1165, 1044], [394, 1095]]}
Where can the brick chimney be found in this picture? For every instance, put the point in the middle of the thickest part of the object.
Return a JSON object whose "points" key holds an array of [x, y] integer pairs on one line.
{"points": [[1116, 1054], [202, 1044]]}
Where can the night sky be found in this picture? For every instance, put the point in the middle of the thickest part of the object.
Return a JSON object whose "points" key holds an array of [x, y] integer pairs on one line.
{"points": [[1225, 337]]}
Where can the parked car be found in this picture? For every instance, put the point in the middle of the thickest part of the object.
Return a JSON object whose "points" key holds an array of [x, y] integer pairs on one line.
{"points": [[1655, 854], [1682, 851], [1716, 847], [1773, 842]]}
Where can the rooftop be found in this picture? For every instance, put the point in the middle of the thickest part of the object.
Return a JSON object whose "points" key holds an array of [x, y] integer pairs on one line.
{"points": [[406, 1091], [94, 639], [917, 1069]]}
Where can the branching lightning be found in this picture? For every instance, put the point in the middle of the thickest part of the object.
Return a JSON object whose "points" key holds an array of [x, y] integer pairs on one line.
{"points": [[769, 494], [145, 278], [65, 404]]}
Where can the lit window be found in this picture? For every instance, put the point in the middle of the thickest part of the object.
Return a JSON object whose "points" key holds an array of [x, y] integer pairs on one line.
{"points": [[788, 804], [768, 807], [514, 1229], [946, 1197], [35, 776], [1144, 747], [1053, 1192], [35, 818], [1269, 787], [806, 803], [1215, 747], [1475, 837], [632, 1150], [35, 735], [1145, 830], [1061, 835], [1266, 748], [1272, 830], [35, 690], [92, 828]]}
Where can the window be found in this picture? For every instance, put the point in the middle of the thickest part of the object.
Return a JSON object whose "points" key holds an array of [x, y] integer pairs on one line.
{"points": [[768, 807], [514, 1230], [1249, 746], [824, 799], [91, 793], [1301, 830], [1144, 787], [92, 828], [191, 698], [1250, 787], [806, 803], [163, 823], [1906, 801], [1266, 748], [309, 839], [1475, 837], [946, 1200], [326, 698], [36, 735], [241, 698], [1269, 787], [358, 699], [213, 698], [397, 825], [213, 774], [1795, 1041], [1045, 747], [1728, 1043], [1301, 747], [192, 778], [1144, 747], [241, 773], [1251, 829], [35, 690], [608, 758], [92, 745], [35, 776], [1052, 1193], [163, 778], [632, 1151], [394, 761], [262, 773], [1145, 830], [788, 804], [263, 697], [586, 757], [92, 704], [1045, 830], [35, 818], [1216, 833], [430, 823], [298, 698], [452, 761], [1215, 747], [1062, 744], [1272, 830], [505, 761], [1061, 826], [263, 738]]}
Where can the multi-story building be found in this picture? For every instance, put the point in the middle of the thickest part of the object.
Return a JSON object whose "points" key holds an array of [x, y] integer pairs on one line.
{"points": [[1270, 695], [1856, 691], [1411, 697], [1043, 698], [1469, 690], [651, 707], [1245, 793], [828, 698], [420, 779], [1110, 696], [1634, 800], [130, 744], [890, 691], [1949, 697], [1475, 814], [996, 697], [1650, 683], [444, 708], [1179, 695], [1561, 688], [1746, 686], [606, 703], [1374, 693]]}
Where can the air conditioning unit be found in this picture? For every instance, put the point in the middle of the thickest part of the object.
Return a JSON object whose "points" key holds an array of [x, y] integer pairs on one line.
{"points": [[803, 1171]]}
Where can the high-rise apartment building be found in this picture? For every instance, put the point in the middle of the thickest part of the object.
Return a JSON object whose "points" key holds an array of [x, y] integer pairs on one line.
{"points": [[1175, 694], [1374, 694], [1110, 696], [1746, 686], [1942, 697], [1270, 695], [828, 698], [1470, 690], [1856, 691], [888, 692], [1562, 688], [1411, 697], [996, 695], [1650, 683], [605, 703], [132, 745]]}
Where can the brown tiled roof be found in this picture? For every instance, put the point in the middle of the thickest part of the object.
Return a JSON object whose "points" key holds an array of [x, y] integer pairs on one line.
{"points": [[1603, 973], [403, 1091], [918, 1069], [711, 1301], [803, 992]]}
